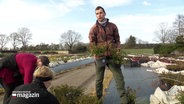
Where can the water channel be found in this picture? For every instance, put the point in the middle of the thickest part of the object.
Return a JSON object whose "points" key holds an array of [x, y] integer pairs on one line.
{"points": [[137, 78], [70, 65]]}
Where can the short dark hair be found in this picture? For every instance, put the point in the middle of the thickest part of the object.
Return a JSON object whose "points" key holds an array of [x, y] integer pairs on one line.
{"points": [[45, 60], [99, 7]]}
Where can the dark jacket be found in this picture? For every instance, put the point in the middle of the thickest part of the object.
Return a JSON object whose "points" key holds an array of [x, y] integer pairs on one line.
{"points": [[105, 35], [37, 90]]}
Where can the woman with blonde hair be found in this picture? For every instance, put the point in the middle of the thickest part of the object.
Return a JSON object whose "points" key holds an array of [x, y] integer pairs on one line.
{"points": [[35, 92]]}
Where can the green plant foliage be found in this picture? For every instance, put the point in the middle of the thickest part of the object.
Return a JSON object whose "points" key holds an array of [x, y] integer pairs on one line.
{"points": [[5, 54], [78, 48], [118, 56], [86, 99], [180, 39], [66, 94], [131, 95], [180, 48], [131, 42], [139, 51], [180, 97], [73, 95], [164, 48], [97, 50]]}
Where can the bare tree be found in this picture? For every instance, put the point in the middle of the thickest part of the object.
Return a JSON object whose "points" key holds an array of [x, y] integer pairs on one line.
{"points": [[3, 41], [172, 34], [14, 40], [70, 38], [162, 33], [179, 24], [24, 35]]}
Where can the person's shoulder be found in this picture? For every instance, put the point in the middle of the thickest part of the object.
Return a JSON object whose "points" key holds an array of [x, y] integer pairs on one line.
{"points": [[111, 23], [46, 96], [21, 87], [43, 92], [93, 26], [24, 54]]}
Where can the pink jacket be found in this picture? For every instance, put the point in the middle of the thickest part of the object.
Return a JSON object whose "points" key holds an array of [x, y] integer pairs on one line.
{"points": [[26, 63]]}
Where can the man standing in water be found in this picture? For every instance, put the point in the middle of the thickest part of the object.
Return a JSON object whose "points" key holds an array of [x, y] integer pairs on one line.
{"points": [[105, 33]]}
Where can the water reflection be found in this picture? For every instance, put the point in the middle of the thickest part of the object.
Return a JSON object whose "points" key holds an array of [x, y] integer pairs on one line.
{"points": [[138, 79]]}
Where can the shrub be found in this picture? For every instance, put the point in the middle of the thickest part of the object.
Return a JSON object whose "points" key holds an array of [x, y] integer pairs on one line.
{"points": [[36, 52], [98, 50], [131, 95], [73, 95], [2, 55], [116, 54], [164, 48], [86, 99], [49, 52], [180, 48], [79, 48], [66, 94], [180, 97]]}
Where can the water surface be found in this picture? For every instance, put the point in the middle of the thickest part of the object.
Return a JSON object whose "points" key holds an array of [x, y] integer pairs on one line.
{"points": [[138, 79]]}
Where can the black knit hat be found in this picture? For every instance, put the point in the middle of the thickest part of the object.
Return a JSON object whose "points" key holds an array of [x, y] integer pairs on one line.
{"points": [[45, 60], [44, 78]]}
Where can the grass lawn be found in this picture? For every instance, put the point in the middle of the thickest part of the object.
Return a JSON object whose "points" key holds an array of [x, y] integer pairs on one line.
{"points": [[139, 51]]}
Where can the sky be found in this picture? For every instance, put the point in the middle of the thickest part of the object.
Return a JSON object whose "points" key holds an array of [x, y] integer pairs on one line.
{"points": [[48, 19]]}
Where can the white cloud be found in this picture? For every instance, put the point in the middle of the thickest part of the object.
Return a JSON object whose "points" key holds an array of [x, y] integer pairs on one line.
{"points": [[35, 16], [51, 34], [141, 26], [74, 3], [146, 3], [17, 11], [110, 3], [45, 20], [61, 8]]}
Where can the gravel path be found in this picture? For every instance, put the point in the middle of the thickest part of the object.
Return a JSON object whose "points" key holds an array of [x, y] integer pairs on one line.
{"points": [[83, 76]]}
